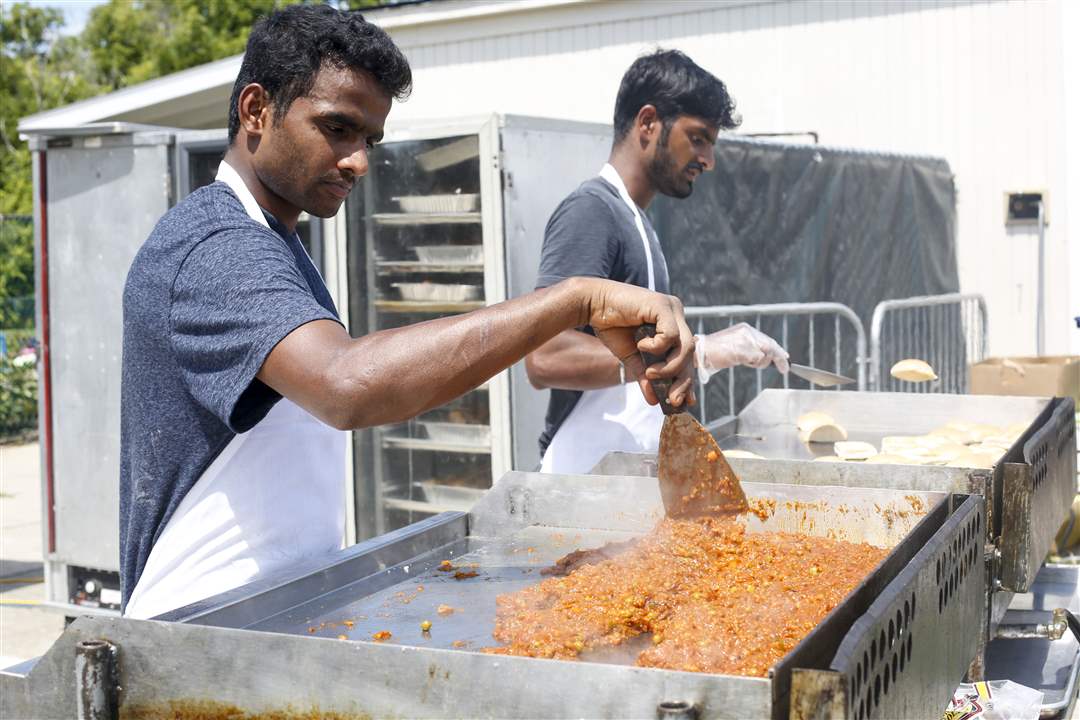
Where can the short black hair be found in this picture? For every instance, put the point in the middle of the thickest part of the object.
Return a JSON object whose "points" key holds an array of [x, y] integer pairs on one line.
{"points": [[675, 85], [286, 50]]}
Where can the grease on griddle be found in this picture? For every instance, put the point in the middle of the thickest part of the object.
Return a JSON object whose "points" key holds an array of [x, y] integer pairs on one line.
{"points": [[333, 625], [761, 508], [459, 574], [213, 710], [917, 504], [407, 597]]}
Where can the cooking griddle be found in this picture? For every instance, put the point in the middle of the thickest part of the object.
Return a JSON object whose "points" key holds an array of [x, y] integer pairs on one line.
{"points": [[252, 649], [1028, 490], [528, 521]]}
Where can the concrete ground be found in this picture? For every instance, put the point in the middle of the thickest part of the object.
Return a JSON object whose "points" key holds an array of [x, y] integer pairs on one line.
{"points": [[27, 629]]}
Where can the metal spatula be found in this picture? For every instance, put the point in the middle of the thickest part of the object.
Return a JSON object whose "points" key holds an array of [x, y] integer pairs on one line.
{"points": [[695, 478], [818, 377]]}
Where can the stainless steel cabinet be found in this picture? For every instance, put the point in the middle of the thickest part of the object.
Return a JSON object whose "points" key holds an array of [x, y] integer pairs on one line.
{"points": [[450, 218], [418, 243]]}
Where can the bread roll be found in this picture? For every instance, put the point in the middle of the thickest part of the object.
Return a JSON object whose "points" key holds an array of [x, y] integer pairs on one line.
{"points": [[819, 427], [913, 370], [854, 450]]}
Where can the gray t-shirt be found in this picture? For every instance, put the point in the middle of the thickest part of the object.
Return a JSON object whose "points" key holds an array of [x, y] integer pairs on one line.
{"points": [[208, 296], [592, 234]]}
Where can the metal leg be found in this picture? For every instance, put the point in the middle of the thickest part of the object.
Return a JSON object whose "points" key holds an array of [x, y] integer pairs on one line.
{"points": [[95, 680], [976, 671]]}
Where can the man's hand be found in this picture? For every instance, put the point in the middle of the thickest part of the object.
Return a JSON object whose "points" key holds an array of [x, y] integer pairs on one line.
{"points": [[739, 344], [615, 310]]}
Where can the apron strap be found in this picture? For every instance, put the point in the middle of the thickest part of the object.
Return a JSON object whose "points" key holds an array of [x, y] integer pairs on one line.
{"points": [[230, 177], [609, 173]]}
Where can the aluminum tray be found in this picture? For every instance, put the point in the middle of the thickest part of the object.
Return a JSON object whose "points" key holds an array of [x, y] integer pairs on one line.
{"points": [[450, 254], [451, 432], [271, 646], [450, 203], [436, 292]]}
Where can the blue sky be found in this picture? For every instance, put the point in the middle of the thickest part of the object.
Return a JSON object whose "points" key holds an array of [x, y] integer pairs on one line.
{"points": [[76, 12]]}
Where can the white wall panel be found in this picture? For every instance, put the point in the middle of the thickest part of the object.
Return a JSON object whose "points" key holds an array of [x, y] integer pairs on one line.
{"points": [[979, 83], [1067, 84]]}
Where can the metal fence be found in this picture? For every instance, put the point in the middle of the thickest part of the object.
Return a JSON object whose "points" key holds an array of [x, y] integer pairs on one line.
{"points": [[827, 335], [947, 331]]}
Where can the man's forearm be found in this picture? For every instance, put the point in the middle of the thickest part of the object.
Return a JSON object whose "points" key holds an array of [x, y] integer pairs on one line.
{"points": [[435, 361], [573, 360], [393, 375]]}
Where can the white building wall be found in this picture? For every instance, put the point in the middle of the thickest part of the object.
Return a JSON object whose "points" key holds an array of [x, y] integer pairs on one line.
{"points": [[980, 83]]}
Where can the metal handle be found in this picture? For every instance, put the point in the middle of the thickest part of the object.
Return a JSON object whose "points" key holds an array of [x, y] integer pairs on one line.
{"points": [[663, 386], [676, 710]]}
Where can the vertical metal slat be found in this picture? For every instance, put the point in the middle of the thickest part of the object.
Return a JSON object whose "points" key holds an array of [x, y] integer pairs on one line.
{"points": [[784, 341], [836, 347], [757, 324]]}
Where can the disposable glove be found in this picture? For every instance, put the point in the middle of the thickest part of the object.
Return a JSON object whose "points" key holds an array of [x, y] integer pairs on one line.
{"points": [[740, 344]]}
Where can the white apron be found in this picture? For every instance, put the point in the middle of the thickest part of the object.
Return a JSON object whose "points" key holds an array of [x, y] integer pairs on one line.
{"points": [[273, 497], [614, 418]]}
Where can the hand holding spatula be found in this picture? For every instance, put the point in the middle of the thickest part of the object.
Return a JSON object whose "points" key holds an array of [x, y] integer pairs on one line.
{"points": [[695, 478]]}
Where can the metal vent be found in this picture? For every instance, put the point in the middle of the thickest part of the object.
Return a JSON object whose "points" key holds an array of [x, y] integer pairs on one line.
{"points": [[883, 664], [954, 565], [901, 657]]}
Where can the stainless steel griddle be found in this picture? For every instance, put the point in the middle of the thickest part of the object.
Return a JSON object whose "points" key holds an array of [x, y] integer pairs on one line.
{"points": [[273, 646], [1028, 491]]}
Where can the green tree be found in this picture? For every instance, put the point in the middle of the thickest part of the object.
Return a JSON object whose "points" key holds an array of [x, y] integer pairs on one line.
{"points": [[135, 40], [16, 272], [39, 70]]}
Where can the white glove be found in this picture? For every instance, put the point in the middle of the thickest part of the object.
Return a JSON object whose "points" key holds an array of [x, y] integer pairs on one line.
{"points": [[740, 344]]}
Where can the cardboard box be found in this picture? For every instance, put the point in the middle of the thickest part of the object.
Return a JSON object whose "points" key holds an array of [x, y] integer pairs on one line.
{"points": [[1031, 376]]}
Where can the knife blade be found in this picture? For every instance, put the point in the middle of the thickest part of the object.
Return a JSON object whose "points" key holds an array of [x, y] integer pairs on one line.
{"points": [[818, 377]]}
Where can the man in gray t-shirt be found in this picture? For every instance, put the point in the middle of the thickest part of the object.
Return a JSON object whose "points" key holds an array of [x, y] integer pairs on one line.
{"points": [[238, 375], [667, 116]]}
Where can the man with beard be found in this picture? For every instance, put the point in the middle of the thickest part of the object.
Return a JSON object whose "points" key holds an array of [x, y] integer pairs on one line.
{"points": [[668, 114]]}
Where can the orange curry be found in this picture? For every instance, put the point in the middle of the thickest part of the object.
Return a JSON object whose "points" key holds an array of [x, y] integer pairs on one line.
{"points": [[713, 597]]}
